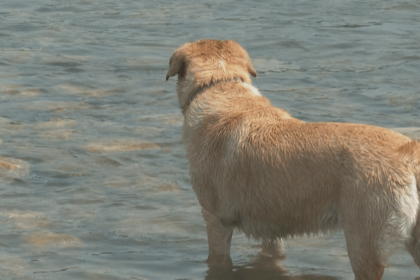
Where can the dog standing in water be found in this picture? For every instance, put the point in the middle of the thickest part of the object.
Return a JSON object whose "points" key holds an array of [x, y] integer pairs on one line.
{"points": [[256, 168]]}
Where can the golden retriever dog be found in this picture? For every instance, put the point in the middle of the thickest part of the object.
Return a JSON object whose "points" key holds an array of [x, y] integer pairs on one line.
{"points": [[256, 168]]}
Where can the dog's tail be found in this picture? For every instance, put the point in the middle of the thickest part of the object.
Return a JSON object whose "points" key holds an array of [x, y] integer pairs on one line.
{"points": [[410, 153]]}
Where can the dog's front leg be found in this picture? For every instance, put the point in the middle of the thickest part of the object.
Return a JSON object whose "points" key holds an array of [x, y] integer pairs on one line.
{"points": [[219, 235], [272, 251], [269, 257]]}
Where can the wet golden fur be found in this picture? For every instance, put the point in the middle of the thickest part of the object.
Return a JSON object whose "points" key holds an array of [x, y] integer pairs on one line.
{"points": [[256, 168]]}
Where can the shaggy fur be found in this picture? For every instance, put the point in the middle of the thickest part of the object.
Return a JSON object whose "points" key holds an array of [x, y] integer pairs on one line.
{"points": [[256, 168]]}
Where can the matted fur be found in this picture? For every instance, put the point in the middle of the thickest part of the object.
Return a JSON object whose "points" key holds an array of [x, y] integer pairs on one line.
{"points": [[256, 168]]}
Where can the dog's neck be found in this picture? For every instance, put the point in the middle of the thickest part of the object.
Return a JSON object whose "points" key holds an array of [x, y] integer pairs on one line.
{"points": [[187, 90], [213, 83]]}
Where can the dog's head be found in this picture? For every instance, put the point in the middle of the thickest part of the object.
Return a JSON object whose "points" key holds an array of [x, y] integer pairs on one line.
{"points": [[207, 61]]}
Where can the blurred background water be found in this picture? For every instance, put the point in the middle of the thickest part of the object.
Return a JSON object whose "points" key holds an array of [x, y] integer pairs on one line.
{"points": [[93, 177]]}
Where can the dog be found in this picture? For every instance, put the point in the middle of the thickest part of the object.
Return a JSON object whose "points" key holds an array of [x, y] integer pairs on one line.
{"points": [[256, 168]]}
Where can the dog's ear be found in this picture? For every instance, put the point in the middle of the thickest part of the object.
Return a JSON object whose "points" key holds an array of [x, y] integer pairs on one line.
{"points": [[176, 64], [251, 70]]}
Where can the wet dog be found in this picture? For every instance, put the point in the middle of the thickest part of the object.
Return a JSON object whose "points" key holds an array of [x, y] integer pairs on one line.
{"points": [[256, 168]]}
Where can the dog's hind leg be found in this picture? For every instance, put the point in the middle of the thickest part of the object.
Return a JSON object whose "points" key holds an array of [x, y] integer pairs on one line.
{"points": [[413, 244], [375, 225], [364, 257], [219, 236]]}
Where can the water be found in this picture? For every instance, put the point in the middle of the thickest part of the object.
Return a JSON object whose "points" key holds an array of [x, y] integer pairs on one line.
{"points": [[93, 177]]}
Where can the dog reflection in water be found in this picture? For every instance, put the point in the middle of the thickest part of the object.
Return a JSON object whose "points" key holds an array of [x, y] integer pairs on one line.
{"points": [[264, 266], [256, 168], [266, 262]]}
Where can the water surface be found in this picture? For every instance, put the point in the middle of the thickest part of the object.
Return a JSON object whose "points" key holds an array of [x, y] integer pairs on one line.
{"points": [[93, 177]]}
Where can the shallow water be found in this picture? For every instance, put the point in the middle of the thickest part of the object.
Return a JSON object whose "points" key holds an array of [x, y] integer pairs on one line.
{"points": [[93, 177]]}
